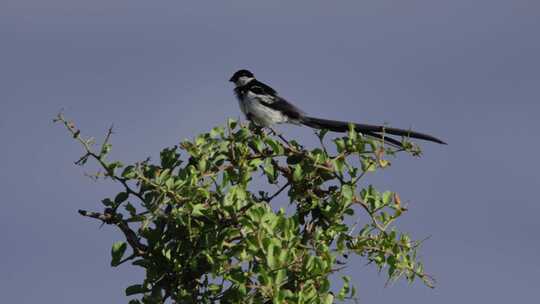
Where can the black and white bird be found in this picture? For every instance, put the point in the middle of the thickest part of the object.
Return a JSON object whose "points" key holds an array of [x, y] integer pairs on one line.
{"points": [[262, 105]]}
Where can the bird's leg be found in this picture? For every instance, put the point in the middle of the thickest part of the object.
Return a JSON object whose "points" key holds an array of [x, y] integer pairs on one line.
{"points": [[256, 129], [275, 133], [251, 124], [272, 131]]}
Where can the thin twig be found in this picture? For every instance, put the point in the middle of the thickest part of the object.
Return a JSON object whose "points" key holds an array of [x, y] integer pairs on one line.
{"points": [[279, 191], [89, 153]]}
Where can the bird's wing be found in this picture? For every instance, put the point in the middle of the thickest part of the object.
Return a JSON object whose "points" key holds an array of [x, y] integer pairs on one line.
{"points": [[269, 98], [279, 104], [261, 88]]}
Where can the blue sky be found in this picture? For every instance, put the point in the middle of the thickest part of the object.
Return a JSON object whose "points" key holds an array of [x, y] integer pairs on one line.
{"points": [[466, 71]]}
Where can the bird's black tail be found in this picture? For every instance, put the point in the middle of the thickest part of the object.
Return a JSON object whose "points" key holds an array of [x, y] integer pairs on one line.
{"points": [[370, 130]]}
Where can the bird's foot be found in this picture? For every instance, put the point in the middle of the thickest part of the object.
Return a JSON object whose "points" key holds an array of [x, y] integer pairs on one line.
{"points": [[275, 133]]}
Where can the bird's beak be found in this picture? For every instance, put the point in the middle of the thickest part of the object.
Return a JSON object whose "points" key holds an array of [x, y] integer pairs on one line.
{"points": [[231, 79]]}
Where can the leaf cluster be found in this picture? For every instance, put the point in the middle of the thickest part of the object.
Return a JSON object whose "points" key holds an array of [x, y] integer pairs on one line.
{"points": [[203, 235]]}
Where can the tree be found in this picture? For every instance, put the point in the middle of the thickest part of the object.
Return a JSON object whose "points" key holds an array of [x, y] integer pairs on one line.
{"points": [[203, 235]]}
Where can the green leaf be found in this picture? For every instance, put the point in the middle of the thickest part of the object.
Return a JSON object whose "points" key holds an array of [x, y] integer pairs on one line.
{"points": [[216, 132], [135, 289], [387, 197], [352, 132], [297, 173], [255, 162], [112, 166], [107, 202], [281, 276], [197, 210], [274, 145], [328, 299], [340, 145], [242, 135], [129, 172], [169, 157], [121, 197], [231, 123], [259, 145], [295, 159], [347, 191], [270, 256], [345, 289], [117, 252], [214, 288], [105, 149], [200, 140], [339, 163], [369, 165], [169, 183], [270, 171], [322, 133], [325, 285], [132, 211], [202, 165]]}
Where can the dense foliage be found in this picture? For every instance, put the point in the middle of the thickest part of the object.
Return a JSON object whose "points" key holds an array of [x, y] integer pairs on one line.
{"points": [[203, 234]]}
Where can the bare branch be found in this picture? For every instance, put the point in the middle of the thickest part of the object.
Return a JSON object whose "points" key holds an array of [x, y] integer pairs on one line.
{"points": [[112, 218]]}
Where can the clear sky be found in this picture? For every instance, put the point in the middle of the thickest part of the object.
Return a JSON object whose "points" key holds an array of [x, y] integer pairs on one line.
{"points": [[467, 71]]}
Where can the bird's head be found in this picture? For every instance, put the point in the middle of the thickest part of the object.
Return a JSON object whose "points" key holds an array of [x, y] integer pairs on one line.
{"points": [[241, 77]]}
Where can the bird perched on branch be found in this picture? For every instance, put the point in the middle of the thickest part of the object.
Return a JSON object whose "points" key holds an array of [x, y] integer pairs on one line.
{"points": [[262, 105]]}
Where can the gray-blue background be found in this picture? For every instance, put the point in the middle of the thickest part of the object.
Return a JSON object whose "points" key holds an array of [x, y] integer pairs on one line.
{"points": [[465, 70]]}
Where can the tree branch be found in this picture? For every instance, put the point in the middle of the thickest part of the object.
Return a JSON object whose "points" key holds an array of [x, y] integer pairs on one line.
{"points": [[279, 191], [112, 218]]}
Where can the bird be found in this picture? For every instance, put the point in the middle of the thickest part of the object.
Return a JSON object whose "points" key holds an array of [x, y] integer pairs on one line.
{"points": [[262, 105]]}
